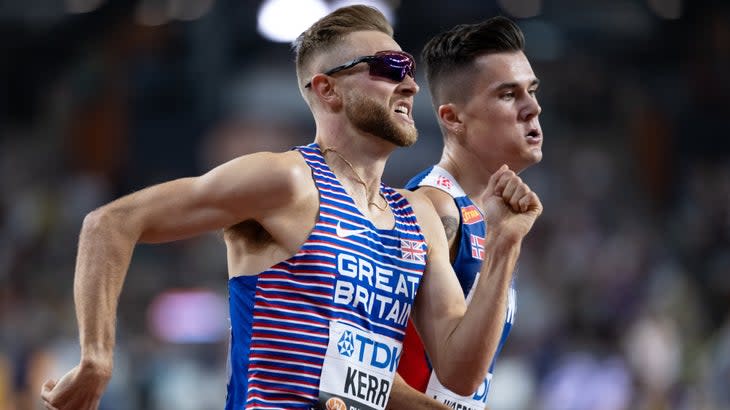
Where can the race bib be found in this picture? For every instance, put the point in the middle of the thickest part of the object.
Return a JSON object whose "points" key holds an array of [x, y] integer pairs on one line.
{"points": [[358, 369], [477, 401]]}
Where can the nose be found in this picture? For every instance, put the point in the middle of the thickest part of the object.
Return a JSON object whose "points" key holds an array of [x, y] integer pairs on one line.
{"points": [[531, 110], [408, 86]]}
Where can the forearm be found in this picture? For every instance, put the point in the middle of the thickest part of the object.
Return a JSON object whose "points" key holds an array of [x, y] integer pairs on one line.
{"points": [[469, 349], [405, 397], [105, 250]]}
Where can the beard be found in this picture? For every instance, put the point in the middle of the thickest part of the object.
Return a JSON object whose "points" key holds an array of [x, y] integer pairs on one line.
{"points": [[369, 116]]}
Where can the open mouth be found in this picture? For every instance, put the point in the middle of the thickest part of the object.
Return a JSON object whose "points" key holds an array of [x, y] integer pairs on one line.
{"points": [[403, 109], [534, 136]]}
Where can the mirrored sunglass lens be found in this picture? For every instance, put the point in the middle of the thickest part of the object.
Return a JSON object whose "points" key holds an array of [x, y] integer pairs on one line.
{"points": [[379, 68], [394, 67], [397, 60]]}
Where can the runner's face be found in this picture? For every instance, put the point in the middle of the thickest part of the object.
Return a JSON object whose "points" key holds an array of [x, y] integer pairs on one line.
{"points": [[371, 116], [377, 105], [501, 117]]}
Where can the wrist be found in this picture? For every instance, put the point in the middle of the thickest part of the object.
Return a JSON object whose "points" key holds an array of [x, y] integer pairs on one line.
{"points": [[503, 241], [96, 362]]}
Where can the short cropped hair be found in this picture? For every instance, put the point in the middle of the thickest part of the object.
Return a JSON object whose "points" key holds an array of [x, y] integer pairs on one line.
{"points": [[325, 34], [452, 52]]}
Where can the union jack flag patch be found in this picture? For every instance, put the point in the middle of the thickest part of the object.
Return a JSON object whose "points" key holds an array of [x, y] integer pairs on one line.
{"points": [[413, 250]]}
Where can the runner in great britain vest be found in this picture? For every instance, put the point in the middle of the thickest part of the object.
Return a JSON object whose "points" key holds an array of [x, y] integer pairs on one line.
{"points": [[324, 328]]}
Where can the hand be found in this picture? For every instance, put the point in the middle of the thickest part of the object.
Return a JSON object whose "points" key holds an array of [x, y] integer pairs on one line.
{"points": [[79, 389], [510, 206]]}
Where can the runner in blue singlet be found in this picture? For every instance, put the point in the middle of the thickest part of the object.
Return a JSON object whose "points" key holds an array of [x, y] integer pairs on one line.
{"points": [[483, 89]]}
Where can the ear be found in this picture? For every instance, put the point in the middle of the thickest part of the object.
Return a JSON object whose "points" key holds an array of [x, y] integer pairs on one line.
{"points": [[448, 116], [324, 88]]}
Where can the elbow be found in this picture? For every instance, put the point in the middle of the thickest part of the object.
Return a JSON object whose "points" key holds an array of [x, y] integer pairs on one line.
{"points": [[98, 219], [107, 220], [94, 221]]}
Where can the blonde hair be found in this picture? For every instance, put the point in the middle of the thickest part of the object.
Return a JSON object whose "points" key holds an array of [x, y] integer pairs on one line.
{"points": [[328, 32]]}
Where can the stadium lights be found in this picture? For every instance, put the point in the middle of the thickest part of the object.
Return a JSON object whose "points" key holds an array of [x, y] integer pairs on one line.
{"points": [[282, 21]]}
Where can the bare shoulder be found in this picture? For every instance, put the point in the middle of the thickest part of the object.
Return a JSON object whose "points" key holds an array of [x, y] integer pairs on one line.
{"points": [[278, 167], [442, 202], [263, 180], [417, 199], [444, 206], [277, 171], [423, 208]]}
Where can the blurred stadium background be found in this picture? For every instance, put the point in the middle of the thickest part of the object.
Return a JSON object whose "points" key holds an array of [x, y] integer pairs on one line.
{"points": [[624, 283]]}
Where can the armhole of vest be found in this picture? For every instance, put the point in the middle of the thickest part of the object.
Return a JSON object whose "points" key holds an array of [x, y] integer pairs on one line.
{"points": [[316, 181], [459, 237], [301, 149], [422, 185], [453, 199], [406, 207]]}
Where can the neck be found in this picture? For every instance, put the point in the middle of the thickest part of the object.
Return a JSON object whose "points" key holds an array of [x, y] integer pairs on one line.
{"points": [[350, 176], [471, 174], [366, 156]]}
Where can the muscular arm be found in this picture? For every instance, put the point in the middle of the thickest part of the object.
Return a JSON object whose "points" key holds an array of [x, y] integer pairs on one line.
{"points": [[461, 341], [494, 311], [251, 187], [448, 212], [403, 396], [451, 227]]}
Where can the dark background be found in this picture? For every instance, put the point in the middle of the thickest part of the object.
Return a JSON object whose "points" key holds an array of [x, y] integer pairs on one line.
{"points": [[623, 285]]}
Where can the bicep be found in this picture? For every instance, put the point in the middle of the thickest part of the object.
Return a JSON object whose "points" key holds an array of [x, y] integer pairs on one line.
{"points": [[447, 211], [175, 210], [440, 301], [224, 196]]}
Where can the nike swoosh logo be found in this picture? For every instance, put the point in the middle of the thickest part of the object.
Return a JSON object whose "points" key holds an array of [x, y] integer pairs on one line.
{"points": [[344, 232]]}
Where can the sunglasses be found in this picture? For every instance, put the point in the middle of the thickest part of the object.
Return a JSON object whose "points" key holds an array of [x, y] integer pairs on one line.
{"points": [[393, 65]]}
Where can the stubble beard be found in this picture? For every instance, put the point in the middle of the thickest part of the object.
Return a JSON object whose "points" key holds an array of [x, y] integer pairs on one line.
{"points": [[368, 116]]}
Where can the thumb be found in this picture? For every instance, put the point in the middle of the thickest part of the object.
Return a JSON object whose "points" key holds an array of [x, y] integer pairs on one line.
{"points": [[492, 184], [47, 388], [49, 385]]}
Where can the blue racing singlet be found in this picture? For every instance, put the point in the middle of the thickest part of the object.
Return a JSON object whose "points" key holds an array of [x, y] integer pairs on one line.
{"points": [[467, 263], [324, 328]]}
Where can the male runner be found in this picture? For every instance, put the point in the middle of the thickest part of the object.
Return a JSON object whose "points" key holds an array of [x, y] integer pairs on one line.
{"points": [[483, 89], [324, 260]]}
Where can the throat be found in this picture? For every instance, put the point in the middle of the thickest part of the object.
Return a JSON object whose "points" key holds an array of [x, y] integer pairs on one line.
{"points": [[374, 199]]}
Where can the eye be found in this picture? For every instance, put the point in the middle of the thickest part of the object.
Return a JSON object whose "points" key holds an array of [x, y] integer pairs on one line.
{"points": [[507, 96], [533, 92]]}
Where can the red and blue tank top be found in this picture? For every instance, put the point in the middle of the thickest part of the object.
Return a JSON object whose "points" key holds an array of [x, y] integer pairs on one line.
{"points": [[325, 327]]}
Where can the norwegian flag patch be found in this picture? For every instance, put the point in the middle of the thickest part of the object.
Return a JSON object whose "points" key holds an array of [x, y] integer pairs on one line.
{"points": [[477, 247]]}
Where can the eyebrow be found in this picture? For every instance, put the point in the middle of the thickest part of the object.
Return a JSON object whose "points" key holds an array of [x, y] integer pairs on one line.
{"points": [[506, 86]]}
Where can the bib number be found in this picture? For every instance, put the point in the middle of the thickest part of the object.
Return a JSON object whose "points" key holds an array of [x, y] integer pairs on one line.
{"points": [[358, 369]]}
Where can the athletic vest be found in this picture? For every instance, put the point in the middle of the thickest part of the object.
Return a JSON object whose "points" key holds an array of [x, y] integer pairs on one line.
{"points": [[469, 258], [324, 328]]}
